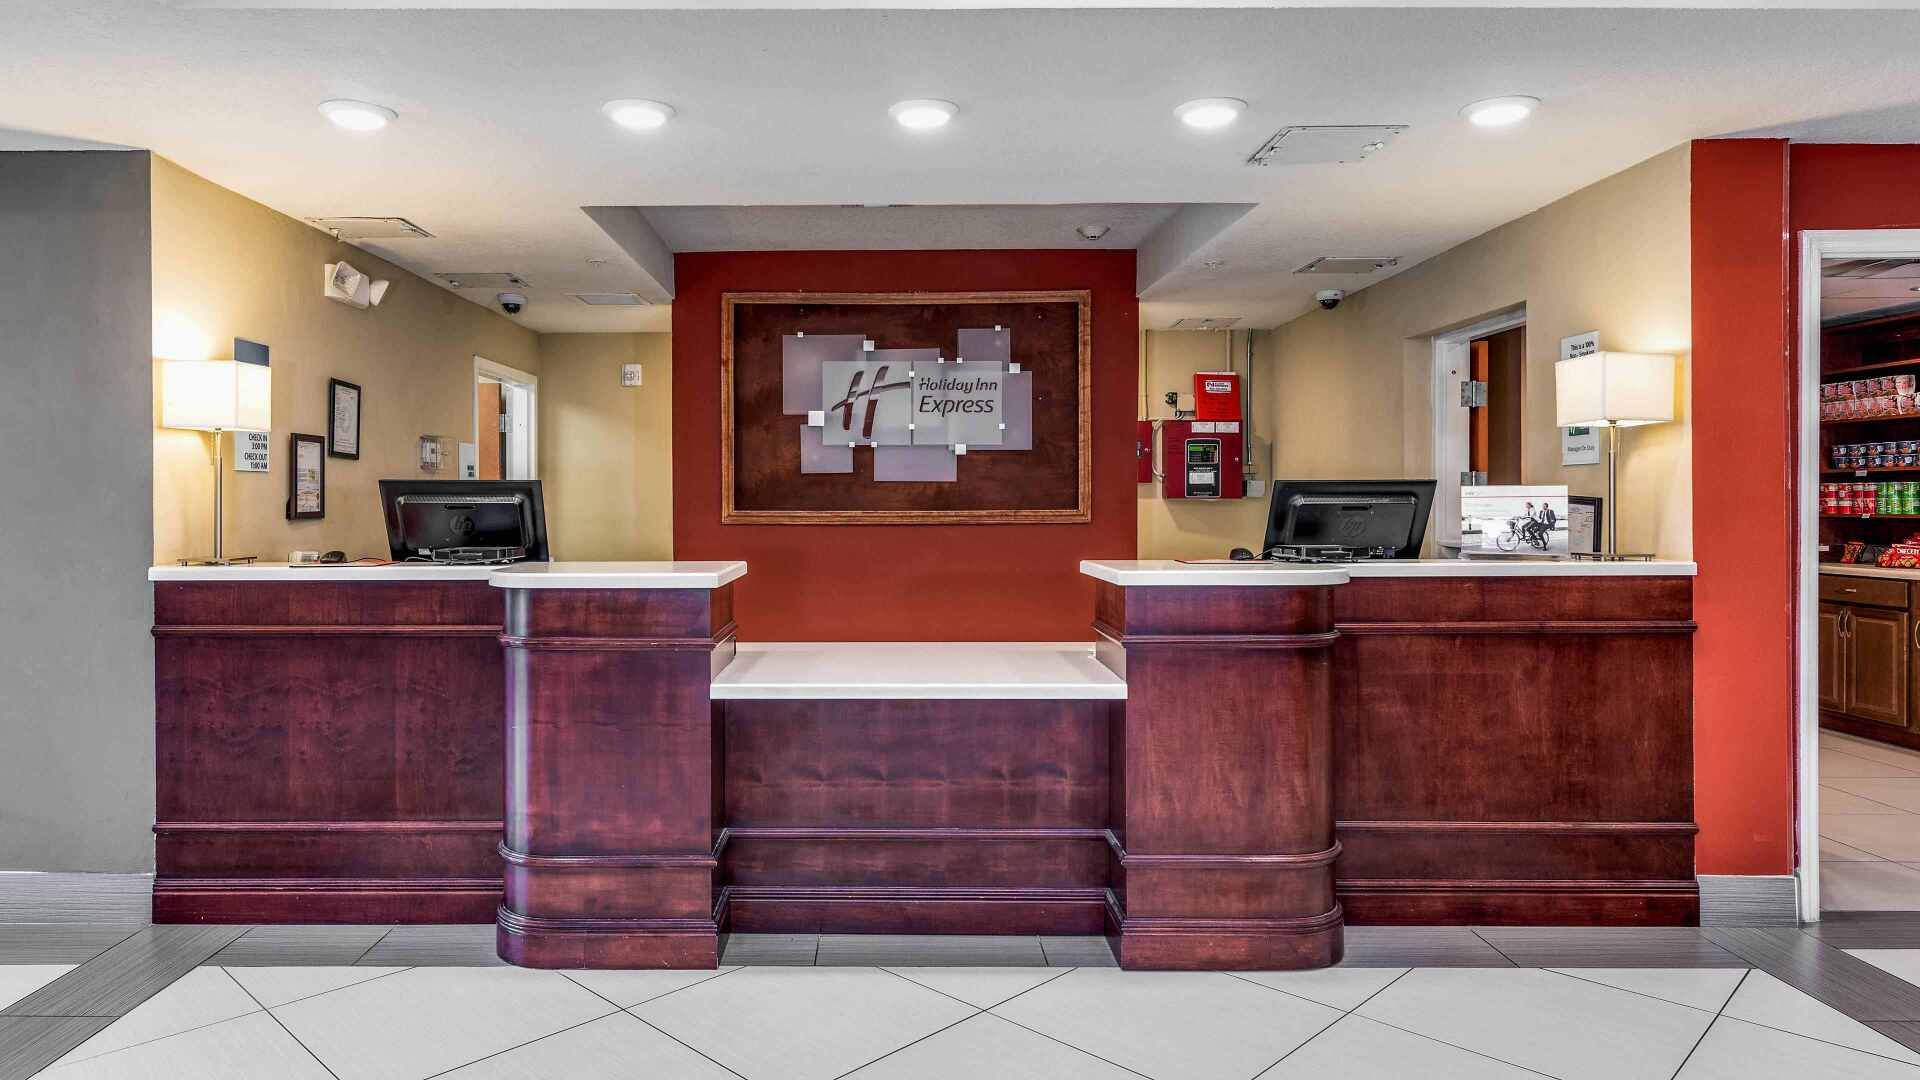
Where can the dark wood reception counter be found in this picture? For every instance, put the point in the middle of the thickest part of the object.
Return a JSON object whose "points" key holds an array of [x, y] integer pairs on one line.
{"points": [[1243, 760]]}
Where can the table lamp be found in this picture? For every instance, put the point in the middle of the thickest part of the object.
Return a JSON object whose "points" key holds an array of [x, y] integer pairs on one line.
{"points": [[1614, 390], [216, 396]]}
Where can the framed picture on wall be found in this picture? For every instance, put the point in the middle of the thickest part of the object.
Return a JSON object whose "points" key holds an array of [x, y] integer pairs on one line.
{"points": [[343, 419], [306, 477]]}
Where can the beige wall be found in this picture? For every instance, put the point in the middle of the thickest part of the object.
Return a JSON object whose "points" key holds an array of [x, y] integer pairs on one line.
{"points": [[606, 451], [229, 267], [1351, 387], [1195, 528]]}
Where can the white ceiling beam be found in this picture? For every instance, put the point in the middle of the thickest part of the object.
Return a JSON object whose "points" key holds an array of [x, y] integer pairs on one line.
{"points": [[1180, 237], [629, 228]]}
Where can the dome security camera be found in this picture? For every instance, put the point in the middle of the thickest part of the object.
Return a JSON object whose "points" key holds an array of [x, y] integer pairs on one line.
{"points": [[1330, 298], [511, 302]]}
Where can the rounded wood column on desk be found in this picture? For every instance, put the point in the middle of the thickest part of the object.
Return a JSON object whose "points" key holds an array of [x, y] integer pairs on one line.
{"points": [[1222, 823], [611, 805]]}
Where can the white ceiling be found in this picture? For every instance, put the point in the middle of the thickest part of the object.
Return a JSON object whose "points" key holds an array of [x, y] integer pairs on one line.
{"points": [[500, 141], [902, 228], [1850, 288]]}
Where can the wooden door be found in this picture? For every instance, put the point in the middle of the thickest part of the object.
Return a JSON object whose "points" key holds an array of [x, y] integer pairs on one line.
{"points": [[1877, 661], [492, 449], [1832, 680], [1478, 418]]}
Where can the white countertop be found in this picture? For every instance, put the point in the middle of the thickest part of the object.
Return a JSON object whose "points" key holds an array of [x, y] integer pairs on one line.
{"points": [[617, 575], [1254, 572], [1869, 570], [262, 571], [917, 670]]}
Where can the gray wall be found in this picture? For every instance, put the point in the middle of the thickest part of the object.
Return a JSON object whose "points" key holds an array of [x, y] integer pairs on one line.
{"points": [[76, 511]]}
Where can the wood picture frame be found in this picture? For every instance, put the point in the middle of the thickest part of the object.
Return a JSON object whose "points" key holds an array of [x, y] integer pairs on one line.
{"points": [[1080, 513], [343, 398], [294, 444]]}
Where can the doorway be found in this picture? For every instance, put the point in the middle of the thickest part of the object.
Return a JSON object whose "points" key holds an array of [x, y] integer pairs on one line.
{"points": [[505, 415], [1859, 576], [1479, 373]]}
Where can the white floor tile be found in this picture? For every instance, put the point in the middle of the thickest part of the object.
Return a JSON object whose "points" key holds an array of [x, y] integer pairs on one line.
{"points": [[1901, 793], [274, 986], [1171, 1025], [252, 1047], [1763, 999], [1838, 765], [19, 980], [1890, 836], [1696, 988], [981, 987], [1832, 850], [801, 1023], [1544, 1021], [1875, 751], [1869, 886], [1834, 800], [1734, 1050], [1360, 1049], [987, 1046], [202, 996], [629, 988], [1900, 963], [426, 1020], [617, 1047], [1342, 988]]}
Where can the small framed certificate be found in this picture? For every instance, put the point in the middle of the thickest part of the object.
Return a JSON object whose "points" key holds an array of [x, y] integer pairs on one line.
{"points": [[307, 478], [343, 419]]}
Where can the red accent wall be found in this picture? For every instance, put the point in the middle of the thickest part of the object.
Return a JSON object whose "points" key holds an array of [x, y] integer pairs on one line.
{"points": [[905, 583], [1742, 509]]}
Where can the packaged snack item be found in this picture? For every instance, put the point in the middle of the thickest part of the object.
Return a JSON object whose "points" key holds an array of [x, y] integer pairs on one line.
{"points": [[1903, 384]]}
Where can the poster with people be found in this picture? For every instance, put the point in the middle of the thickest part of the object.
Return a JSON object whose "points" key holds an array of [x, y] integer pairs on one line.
{"points": [[1514, 520]]}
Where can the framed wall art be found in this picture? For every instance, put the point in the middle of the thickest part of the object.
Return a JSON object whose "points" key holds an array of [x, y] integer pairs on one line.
{"points": [[906, 408], [306, 477], [343, 419]]}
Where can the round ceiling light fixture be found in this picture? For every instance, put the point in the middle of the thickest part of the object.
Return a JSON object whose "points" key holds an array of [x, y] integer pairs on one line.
{"points": [[357, 115], [637, 114], [923, 114], [1500, 111], [1207, 114]]}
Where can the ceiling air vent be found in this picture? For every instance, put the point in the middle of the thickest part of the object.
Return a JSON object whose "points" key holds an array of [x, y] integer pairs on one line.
{"points": [[611, 299], [1205, 322], [371, 228], [1349, 264], [1324, 145], [484, 281]]}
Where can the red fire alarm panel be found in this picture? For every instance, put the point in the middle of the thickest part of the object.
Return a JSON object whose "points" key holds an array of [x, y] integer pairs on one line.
{"points": [[1201, 459], [1216, 395]]}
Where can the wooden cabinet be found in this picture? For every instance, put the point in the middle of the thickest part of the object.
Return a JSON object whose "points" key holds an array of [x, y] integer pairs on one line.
{"points": [[1867, 653]]}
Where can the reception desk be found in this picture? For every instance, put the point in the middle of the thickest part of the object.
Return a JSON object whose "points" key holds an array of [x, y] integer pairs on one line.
{"points": [[1243, 759]]}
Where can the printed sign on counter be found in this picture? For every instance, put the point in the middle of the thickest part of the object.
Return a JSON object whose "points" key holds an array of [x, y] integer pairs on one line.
{"points": [[250, 451]]}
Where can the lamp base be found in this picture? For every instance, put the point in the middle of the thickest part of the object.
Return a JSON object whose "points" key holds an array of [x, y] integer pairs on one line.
{"points": [[230, 560], [1611, 556]]}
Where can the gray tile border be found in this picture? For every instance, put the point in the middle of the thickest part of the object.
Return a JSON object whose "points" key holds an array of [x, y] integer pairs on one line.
{"points": [[1090, 950], [59, 944], [770, 950], [1419, 946], [929, 950], [1869, 929], [115, 981], [1823, 972], [474, 945], [1743, 900], [300, 946], [65, 899], [31, 1043], [1608, 946]]}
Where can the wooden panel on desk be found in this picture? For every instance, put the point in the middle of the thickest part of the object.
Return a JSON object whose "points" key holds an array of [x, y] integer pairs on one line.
{"points": [[1878, 653], [1855, 589], [327, 751]]}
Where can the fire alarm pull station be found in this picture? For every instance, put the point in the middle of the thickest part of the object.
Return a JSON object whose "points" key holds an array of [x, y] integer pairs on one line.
{"points": [[1143, 451], [1201, 459]]}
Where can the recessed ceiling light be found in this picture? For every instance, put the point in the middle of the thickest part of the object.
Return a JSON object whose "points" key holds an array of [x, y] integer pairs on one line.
{"points": [[923, 114], [357, 115], [1500, 111], [638, 114], [1207, 114]]}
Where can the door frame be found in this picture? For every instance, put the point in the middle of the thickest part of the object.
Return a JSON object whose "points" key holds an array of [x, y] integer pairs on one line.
{"points": [[1450, 421], [1815, 246], [483, 367]]}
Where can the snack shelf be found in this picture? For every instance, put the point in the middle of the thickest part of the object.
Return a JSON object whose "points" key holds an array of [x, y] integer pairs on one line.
{"points": [[1862, 517], [1884, 470], [1853, 373], [1869, 419]]}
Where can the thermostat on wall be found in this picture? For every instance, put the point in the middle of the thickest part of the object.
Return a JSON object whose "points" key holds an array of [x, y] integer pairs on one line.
{"points": [[629, 374]]}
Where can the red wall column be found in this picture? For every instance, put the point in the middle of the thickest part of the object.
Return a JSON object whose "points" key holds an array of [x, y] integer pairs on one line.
{"points": [[1743, 537]]}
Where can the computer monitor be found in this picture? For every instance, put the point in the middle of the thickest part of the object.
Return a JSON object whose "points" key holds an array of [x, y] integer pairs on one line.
{"points": [[1364, 519], [456, 518]]}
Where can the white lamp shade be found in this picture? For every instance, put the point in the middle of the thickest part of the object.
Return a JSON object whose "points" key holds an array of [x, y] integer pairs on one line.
{"points": [[1602, 388], [216, 395]]}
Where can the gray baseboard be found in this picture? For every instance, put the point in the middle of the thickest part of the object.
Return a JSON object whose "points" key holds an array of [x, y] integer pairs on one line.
{"points": [[57, 899], [1742, 900]]}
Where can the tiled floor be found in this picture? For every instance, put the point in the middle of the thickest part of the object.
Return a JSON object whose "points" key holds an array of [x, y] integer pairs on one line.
{"points": [[1869, 825], [323, 1002]]}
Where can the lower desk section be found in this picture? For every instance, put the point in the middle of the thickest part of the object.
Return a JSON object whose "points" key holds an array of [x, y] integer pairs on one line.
{"points": [[1490, 750]]}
